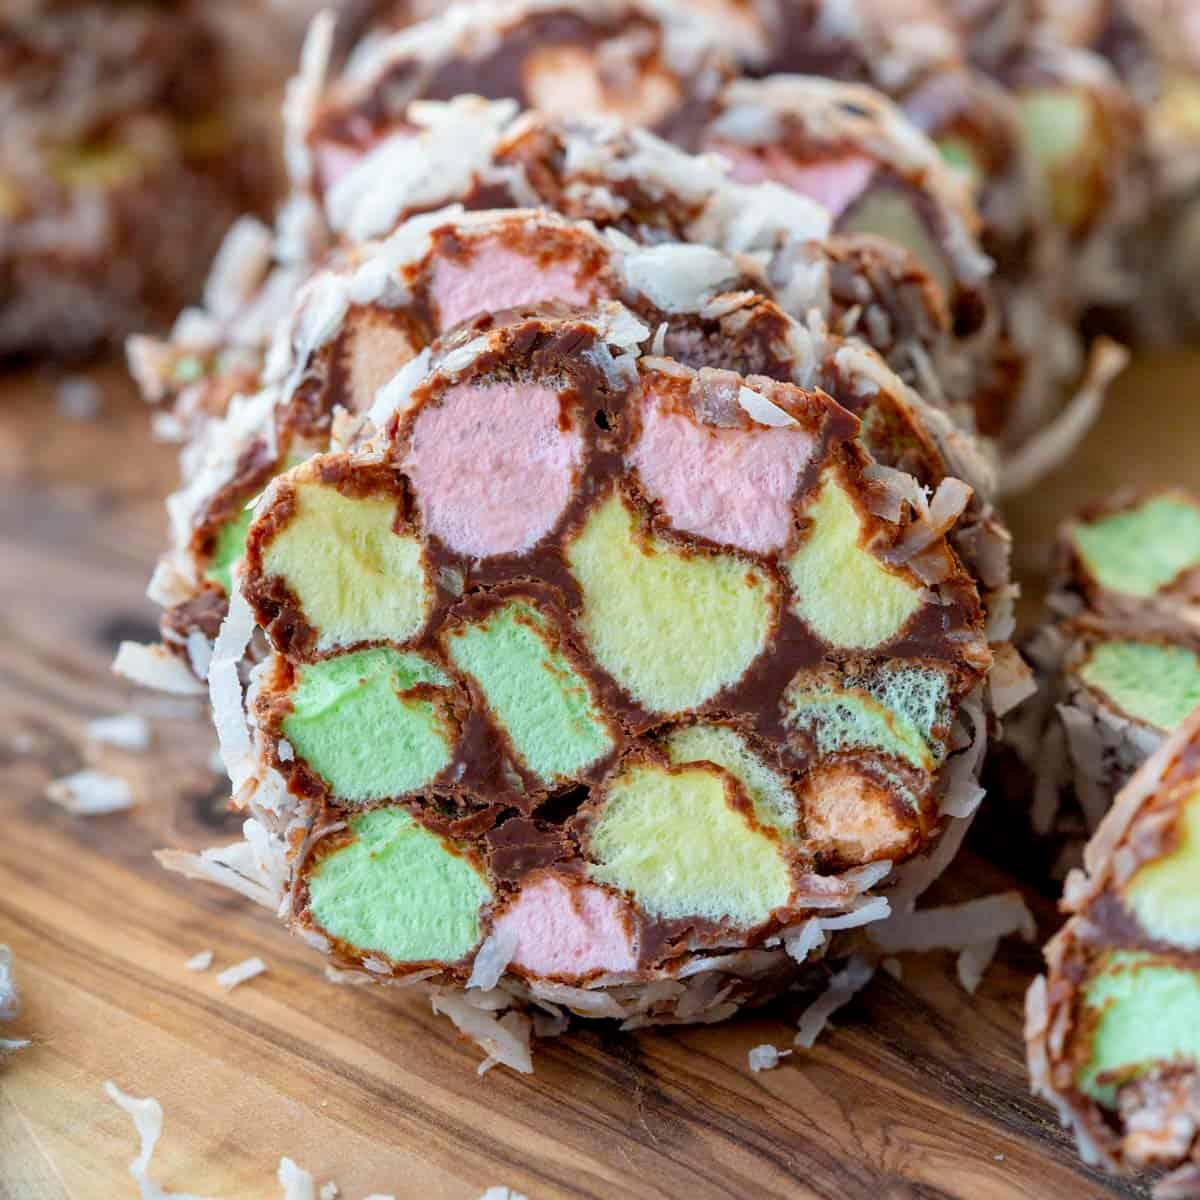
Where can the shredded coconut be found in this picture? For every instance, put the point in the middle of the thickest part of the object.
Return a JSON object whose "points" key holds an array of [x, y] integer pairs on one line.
{"points": [[256, 872], [758, 408], [801, 940], [1052, 445], [841, 989], [766, 1057], [956, 926], [156, 667], [225, 690], [90, 793], [492, 959], [127, 731], [973, 961], [147, 1117], [875, 908], [231, 977], [506, 1040]]}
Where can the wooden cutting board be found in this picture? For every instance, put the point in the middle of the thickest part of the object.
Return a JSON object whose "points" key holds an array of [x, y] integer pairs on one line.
{"points": [[919, 1091]]}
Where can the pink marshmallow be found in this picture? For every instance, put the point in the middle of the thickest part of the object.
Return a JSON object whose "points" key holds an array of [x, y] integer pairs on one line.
{"points": [[834, 184], [491, 467], [495, 277], [733, 486], [567, 930]]}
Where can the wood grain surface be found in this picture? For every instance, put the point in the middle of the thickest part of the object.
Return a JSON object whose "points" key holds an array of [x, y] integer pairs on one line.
{"points": [[918, 1092]]}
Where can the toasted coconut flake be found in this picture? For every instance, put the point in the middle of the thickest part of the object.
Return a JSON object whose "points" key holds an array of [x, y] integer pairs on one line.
{"points": [[947, 505], [302, 95], [758, 408], [199, 962], [841, 989], [225, 690], [506, 1041], [872, 909], [1052, 446], [156, 667], [550, 1025], [492, 960], [802, 940], [231, 977], [973, 961], [200, 653], [1011, 681], [396, 395], [240, 266], [677, 277], [127, 731], [251, 872], [868, 875], [90, 793], [766, 1057], [956, 926]]}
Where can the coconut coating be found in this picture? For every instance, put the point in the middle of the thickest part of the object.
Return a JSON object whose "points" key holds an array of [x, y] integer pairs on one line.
{"points": [[604, 739]]}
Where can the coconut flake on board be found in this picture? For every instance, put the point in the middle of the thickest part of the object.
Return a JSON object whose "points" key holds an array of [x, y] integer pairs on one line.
{"points": [[973, 928], [126, 731], [147, 1116], [240, 973], [156, 667], [505, 1039], [765, 1057], [90, 793]]}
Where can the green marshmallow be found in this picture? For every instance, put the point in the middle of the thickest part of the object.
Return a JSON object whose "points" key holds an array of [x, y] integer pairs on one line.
{"points": [[673, 840], [889, 213], [357, 722], [894, 712], [1142, 549], [230, 546], [770, 794], [1149, 1013], [1151, 682], [839, 587], [533, 691], [399, 890]]}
